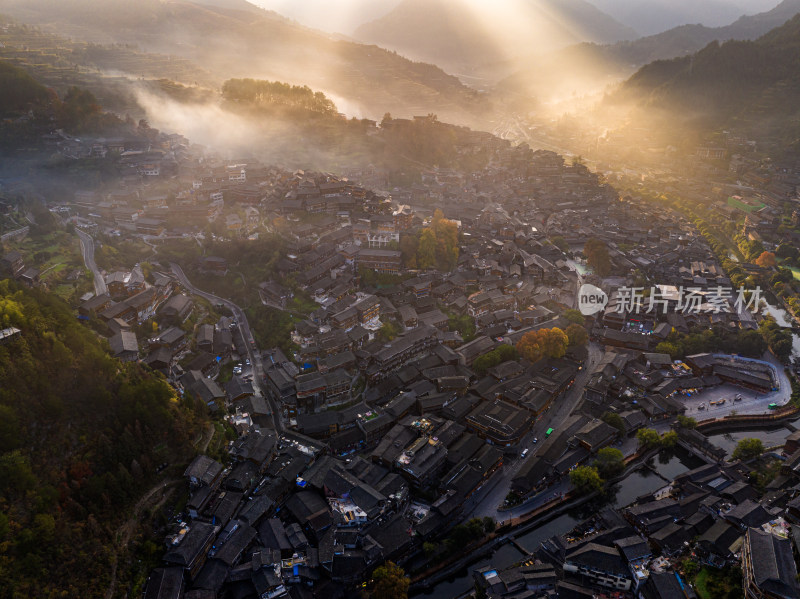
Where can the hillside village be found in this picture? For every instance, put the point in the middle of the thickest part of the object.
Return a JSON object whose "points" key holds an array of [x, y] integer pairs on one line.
{"points": [[399, 404], [258, 341]]}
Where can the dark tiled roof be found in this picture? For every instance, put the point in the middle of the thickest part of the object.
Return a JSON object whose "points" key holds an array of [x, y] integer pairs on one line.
{"points": [[774, 569], [165, 583], [600, 557]]}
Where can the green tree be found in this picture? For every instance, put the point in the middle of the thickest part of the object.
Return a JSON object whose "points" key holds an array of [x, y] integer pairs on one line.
{"points": [[16, 475], [426, 249], [667, 347], [574, 316], [409, 245], [102, 417], [690, 567], [577, 334], [21, 92], [78, 107], [615, 420], [778, 339], [4, 527], [669, 439], [687, 422], [463, 324], [647, 438], [446, 233], [610, 462], [596, 253], [750, 343], [585, 479], [429, 549], [502, 353], [274, 94], [464, 534], [748, 448], [784, 275], [560, 243], [388, 331], [489, 524], [782, 347], [9, 429], [389, 581], [787, 250]]}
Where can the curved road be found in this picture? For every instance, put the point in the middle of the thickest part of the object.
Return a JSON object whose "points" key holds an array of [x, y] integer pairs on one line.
{"points": [[244, 328], [87, 249], [486, 501]]}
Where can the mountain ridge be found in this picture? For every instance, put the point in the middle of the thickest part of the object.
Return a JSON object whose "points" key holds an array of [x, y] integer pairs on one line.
{"points": [[752, 86], [657, 16], [457, 36], [230, 42], [598, 65]]}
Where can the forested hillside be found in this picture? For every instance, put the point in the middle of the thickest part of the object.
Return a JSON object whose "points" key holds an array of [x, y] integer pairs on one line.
{"points": [[591, 66], [228, 42], [28, 108], [754, 86], [274, 94], [20, 90], [81, 435]]}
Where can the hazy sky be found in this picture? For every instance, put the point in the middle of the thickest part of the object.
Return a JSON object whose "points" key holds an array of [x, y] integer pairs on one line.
{"points": [[343, 16]]}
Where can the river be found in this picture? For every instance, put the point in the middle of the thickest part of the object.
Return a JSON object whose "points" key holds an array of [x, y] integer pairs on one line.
{"points": [[785, 320], [770, 438], [634, 485]]}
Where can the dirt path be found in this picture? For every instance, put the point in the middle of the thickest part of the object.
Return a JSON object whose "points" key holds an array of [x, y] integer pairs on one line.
{"points": [[154, 498], [202, 445]]}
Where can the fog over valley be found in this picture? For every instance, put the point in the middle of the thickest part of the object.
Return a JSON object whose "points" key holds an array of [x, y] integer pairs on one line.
{"points": [[391, 299]]}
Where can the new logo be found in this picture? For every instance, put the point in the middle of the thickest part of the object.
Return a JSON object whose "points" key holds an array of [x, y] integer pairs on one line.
{"points": [[591, 299]]}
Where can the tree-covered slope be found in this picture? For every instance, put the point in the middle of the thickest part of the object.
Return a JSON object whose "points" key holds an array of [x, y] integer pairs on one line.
{"points": [[753, 85], [80, 437], [232, 43], [591, 66], [20, 90]]}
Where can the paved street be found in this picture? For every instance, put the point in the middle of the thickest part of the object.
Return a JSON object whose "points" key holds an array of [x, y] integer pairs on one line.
{"points": [[253, 353], [487, 499], [751, 402], [87, 248]]}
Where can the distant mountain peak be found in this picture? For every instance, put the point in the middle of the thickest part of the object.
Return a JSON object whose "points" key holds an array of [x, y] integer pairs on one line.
{"points": [[463, 34], [231, 4]]}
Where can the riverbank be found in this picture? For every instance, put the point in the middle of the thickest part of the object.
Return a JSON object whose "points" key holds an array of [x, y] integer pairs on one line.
{"points": [[743, 422], [511, 529]]}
